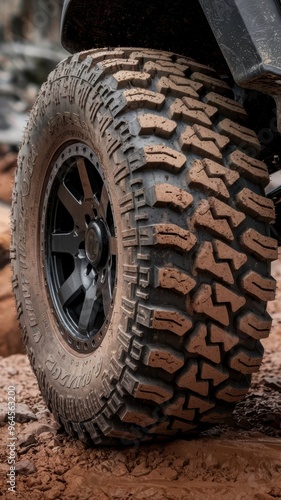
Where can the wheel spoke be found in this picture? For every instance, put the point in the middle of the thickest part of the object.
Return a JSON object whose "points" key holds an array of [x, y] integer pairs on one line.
{"points": [[70, 288], [65, 243], [71, 204], [106, 293], [104, 203], [85, 181], [90, 309]]}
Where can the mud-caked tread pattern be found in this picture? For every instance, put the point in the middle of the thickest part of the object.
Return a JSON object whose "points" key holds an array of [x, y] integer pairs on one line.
{"points": [[211, 177], [193, 244], [167, 195], [259, 287], [214, 84], [178, 87], [203, 141]]}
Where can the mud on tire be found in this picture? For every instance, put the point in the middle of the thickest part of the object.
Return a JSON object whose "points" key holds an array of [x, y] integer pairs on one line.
{"points": [[141, 246]]}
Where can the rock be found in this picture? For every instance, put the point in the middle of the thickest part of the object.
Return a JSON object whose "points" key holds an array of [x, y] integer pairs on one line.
{"points": [[25, 467], [119, 470], [24, 413], [12, 371], [29, 434], [273, 383], [140, 470]]}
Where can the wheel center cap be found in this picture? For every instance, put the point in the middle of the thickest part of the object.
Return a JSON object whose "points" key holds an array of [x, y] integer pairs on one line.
{"points": [[96, 243]]}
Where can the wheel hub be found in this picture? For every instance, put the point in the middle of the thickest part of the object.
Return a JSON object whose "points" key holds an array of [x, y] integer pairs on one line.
{"points": [[96, 243]]}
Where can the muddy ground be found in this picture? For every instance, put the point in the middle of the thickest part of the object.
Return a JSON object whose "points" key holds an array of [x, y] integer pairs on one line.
{"points": [[238, 460]]}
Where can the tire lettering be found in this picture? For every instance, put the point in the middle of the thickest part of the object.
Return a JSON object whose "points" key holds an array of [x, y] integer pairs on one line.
{"points": [[28, 301], [69, 380]]}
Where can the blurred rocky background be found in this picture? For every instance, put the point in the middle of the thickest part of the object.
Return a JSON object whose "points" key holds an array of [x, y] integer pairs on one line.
{"points": [[29, 49]]}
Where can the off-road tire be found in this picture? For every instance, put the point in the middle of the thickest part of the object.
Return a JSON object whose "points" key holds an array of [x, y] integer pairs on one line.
{"points": [[181, 337]]}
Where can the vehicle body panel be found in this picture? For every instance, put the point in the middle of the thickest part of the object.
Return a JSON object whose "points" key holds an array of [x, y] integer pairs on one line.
{"points": [[247, 32]]}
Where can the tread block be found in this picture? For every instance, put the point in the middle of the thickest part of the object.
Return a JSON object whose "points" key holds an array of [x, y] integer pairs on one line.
{"points": [[179, 80], [188, 379], [160, 156], [121, 171], [221, 209], [163, 357], [168, 235], [258, 286], [124, 435], [246, 362], [211, 83], [196, 105], [166, 194], [224, 295], [100, 55], [222, 336], [226, 107], [151, 55], [199, 178], [200, 404], [239, 135], [179, 111], [177, 409], [157, 157], [205, 261], [232, 392], [258, 206], [145, 388], [196, 344], [164, 319], [142, 98], [165, 68], [156, 391], [130, 237], [182, 426], [213, 372], [154, 124], [215, 416], [202, 303], [216, 170], [137, 416], [261, 246], [113, 65], [255, 325], [204, 217], [178, 87], [204, 142], [173, 279], [203, 68], [252, 169], [126, 203], [225, 252], [136, 78], [162, 429]]}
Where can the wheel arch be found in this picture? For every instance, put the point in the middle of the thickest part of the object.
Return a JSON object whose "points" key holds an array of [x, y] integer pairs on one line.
{"points": [[161, 24]]}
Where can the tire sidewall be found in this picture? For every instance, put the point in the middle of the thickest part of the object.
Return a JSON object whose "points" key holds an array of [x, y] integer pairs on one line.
{"points": [[79, 374]]}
